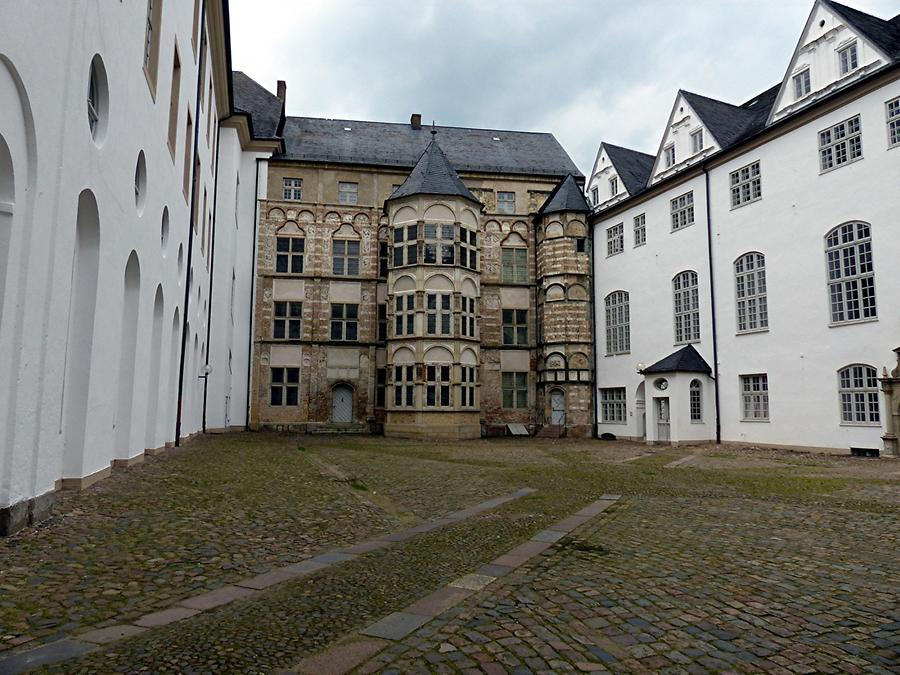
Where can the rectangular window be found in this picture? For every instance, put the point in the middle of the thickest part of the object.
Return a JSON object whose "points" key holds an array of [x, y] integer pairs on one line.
{"points": [[669, 153], [750, 291], [287, 320], [802, 85], [467, 317], [405, 247], [404, 314], [438, 248], [613, 186], [687, 307], [437, 386], [840, 144], [382, 259], [292, 189], [581, 244], [467, 388], [893, 122], [404, 385], [612, 405], [438, 313], [344, 322], [382, 322], [173, 104], [348, 192], [514, 265], [640, 230], [285, 387], [468, 248], [514, 388], [848, 58], [696, 141], [188, 152], [289, 252], [506, 202], [151, 43], [595, 196], [615, 239], [682, 209], [755, 397], [696, 402], [746, 185], [515, 326], [380, 386], [345, 258]]}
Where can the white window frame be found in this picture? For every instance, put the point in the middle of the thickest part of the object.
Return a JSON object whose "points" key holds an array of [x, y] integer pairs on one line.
{"points": [[640, 229], [848, 58], [892, 119], [746, 185], [859, 396], [840, 144], [697, 141], [695, 401], [755, 397], [851, 273], [686, 306], [802, 84], [595, 195], [682, 211], [617, 310], [613, 186], [752, 312], [348, 193], [292, 189], [669, 155], [613, 405], [615, 239], [504, 203]]}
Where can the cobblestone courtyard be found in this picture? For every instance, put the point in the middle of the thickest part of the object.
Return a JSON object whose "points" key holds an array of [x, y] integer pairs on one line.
{"points": [[713, 559]]}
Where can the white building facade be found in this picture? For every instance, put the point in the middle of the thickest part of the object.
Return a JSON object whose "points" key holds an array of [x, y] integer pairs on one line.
{"points": [[110, 195], [765, 237]]}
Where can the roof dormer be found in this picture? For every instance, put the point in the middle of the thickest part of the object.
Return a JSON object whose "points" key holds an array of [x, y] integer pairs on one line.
{"points": [[688, 138], [618, 173], [838, 46]]}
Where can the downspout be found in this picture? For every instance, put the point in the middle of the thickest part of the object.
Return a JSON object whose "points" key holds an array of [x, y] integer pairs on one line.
{"points": [[592, 304], [250, 356], [187, 286], [712, 299], [212, 264]]}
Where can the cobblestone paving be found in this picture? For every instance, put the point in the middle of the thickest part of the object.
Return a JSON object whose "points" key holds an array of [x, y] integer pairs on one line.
{"points": [[680, 586], [220, 509]]}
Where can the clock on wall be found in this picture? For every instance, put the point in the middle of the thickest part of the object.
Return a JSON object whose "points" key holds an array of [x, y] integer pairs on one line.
{"points": [[662, 384]]}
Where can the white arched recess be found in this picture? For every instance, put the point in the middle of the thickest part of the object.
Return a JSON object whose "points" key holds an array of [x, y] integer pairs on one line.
{"points": [[152, 426], [172, 399], [131, 300]]}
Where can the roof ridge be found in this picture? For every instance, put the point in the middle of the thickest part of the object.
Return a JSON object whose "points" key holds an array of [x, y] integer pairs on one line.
{"points": [[626, 149], [424, 127]]}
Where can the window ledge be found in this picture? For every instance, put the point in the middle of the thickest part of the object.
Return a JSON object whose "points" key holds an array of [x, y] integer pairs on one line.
{"points": [[680, 229], [752, 331], [611, 255], [747, 203], [756, 421], [639, 245], [608, 354], [697, 422], [822, 172], [686, 342], [866, 425], [851, 322]]}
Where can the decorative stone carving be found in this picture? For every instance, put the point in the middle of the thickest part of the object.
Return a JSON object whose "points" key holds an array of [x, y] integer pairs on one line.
{"points": [[890, 386]]}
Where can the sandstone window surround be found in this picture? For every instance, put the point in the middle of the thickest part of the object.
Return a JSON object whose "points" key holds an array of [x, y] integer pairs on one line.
{"points": [[439, 313], [851, 273], [858, 392], [406, 245], [515, 327], [514, 390], [404, 385], [438, 248], [344, 322], [405, 314], [348, 193], [612, 405], [467, 388], [750, 293], [382, 259], [468, 248], [467, 317], [287, 321], [285, 387], [514, 265], [382, 322], [380, 387], [292, 189], [345, 257], [506, 202], [755, 398], [289, 255], [437, 385]]}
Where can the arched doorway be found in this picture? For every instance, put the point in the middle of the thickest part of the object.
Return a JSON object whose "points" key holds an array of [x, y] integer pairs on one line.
{"points": [[557, 407], [640, 412], [342, 404]]}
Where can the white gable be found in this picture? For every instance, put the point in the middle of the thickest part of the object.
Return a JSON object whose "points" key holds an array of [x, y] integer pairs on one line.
{"points": [[604, 178], [684, 125], [818, 52]]}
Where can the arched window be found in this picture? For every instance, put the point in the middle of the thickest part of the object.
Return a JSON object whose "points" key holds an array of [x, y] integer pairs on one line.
{"points": [[851, 276], [696, 401], [686, 298], [618, 329], [858, 390], [750, 292]]}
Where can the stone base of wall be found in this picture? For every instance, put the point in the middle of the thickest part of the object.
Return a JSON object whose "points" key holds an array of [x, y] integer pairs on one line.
{"points": [[85, 481], [446, 426], [25, 513]]}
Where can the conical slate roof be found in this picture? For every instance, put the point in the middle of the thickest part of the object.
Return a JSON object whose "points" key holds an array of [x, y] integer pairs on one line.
{"points": [[433, 175], [566, 196], [685, 360]]}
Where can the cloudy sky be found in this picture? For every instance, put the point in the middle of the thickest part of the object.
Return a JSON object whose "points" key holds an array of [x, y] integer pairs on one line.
{"points": [[584, 70]]}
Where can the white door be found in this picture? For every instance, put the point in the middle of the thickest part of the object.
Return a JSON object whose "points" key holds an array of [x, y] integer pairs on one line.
{"points": [[342, 404], [557, 408], [662, 419]]}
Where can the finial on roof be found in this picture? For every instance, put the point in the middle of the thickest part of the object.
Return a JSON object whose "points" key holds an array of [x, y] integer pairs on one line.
{"points": [[433, 130]]}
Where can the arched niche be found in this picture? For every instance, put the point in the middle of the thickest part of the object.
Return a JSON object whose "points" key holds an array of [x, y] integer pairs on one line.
{"points": [[520, 227], [439, 212], [577, 292], [275, 214], [555, 293], [556, 361], [404, 284], [306, 216], [404, 356], [438, 355], [469, 289], [131, 300], [468, 358], [438, 282], [578, 360], [468, 217], [405, 214], [360, 219], [332, 218], [492, 226], [514, 239], [575, 228], [554, 230], [171, 399], [345, 231], [156, 367], [289, 227]]}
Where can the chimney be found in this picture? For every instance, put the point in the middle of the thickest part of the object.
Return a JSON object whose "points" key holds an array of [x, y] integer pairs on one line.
{"points": [[282, 90], [415, 121]]}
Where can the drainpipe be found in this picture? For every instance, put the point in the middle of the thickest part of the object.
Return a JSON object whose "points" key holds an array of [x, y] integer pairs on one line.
{"points": [[593, 309], [201, 64], [255, 205], [712, 299], [212, 263]]}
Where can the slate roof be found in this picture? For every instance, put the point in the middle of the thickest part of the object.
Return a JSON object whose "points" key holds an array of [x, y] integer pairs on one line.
{"points": [[883, 34], [685, 360], [433, 175], [566, 196], [633, 167], [725, 122], [400, 145], [265, 109]]}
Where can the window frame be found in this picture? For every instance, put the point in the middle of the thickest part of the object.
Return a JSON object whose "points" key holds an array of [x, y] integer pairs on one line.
{"points": [[436, 244], [514, 382], [348, 319], [291, 189], [681, 294], [640, 225], [467, 317], [514, 259], [438, 385], [669, 155], [804, 80], [869, 391], [344, 193], [681, 211], [617, 322], [836, 260], [404, 384], [744, 178], [289, 316], [695, 401], [613, 405], [747, 394], [345, 256], [613, 186], [514, 327], [285, 384], [892, 121], [508, 205], [439, 317], [290, 256], [615, 239], [467, 380], [840, 136], [697, 145], [404, 314], [851, 52], [748, 280]]}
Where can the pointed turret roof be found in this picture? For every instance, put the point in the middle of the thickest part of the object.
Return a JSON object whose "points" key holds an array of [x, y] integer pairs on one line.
{"points": [[433, 175], [685, 360], [566, 196]]}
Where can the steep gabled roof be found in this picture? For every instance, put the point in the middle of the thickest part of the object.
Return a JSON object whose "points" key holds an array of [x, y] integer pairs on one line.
{"points": [[265, 109], [433, 175], [685, 360], [725, 122], [566, 196], [632, 167], [883, 34], [400, 145]]}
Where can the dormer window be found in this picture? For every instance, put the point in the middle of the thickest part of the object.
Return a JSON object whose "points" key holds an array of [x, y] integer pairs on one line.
{"points": [[697, 141], [848, 58], [595, 196], [669, 153], [614, 186], [802, 84]]}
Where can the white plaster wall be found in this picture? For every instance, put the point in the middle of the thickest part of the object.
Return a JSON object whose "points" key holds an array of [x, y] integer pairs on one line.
{"points": [[66, 160]]}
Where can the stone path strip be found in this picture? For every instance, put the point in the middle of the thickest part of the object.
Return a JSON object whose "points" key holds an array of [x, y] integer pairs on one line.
{"points": [[681, 461], [355, 649], [68, 648]]}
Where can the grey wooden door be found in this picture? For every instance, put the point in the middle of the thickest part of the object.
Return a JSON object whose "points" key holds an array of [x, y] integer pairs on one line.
{"points": [[662, 420], [342, 404], [557, 407]]}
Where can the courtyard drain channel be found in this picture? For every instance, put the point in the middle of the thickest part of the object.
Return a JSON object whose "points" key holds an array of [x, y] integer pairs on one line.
{"points": [[72, 647], [355, 649]]}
